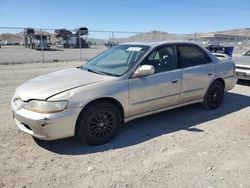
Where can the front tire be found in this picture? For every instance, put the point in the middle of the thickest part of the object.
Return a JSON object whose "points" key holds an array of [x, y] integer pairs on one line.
{"points": [[99, 123], [214, 95]]}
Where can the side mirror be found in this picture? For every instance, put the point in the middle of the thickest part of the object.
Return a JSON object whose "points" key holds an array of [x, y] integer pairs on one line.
{"points": [[144, 70]]}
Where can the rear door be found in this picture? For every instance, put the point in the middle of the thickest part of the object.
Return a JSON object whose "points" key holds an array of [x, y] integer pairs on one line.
{"points": [[159, 90], [197, 71]]}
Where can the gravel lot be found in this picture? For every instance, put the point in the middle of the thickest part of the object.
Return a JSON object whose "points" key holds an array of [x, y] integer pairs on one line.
{"points": [[20, 54], [185, 147]]}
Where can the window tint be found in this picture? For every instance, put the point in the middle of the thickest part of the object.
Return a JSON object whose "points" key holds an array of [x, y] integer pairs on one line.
{"points": [[163, 59], [190, 55]]}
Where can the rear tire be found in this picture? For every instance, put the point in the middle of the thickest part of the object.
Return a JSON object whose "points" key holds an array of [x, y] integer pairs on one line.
{"points": [[214, 95], [99, 123]]}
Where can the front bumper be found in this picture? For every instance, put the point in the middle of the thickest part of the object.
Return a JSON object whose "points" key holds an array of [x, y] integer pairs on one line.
{"points": [[243, 72], [46, 126]]}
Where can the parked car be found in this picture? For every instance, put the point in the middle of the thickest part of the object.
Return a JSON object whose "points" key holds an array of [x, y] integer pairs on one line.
{"points": [[125, 82], [110, 44], [221, 49], [243, 66]]}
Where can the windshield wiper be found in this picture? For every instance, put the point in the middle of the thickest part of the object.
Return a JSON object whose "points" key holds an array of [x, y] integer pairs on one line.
{"points": [[95, 71], [110, 74], [99, 72], [91, 70]]}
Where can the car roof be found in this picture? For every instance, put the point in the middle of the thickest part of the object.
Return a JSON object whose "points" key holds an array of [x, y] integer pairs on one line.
{"points": [[155, 43]]}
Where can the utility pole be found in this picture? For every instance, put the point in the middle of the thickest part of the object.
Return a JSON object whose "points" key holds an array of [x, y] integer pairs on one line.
{"points": [[113, 39], [80, 45], [42, 45]]}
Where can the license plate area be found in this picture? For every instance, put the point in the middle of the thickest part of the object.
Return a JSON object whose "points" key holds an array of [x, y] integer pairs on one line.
{"points": [[241, 73]]}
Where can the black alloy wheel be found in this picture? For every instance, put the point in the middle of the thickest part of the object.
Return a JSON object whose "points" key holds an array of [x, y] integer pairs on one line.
{"points": [[99, 123], [214, 95]]}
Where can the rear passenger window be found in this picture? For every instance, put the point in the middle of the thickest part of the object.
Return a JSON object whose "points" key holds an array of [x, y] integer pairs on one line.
{"points": [[190, 55]]}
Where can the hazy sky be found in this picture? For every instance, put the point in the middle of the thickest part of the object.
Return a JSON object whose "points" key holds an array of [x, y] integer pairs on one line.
{"points": [[175, 16]]}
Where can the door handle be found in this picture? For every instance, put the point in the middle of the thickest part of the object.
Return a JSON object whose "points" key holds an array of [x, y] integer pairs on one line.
{"points": [[175, 81], [210, 74]]}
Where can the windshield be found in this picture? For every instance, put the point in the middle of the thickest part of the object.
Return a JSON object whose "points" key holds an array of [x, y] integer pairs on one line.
{"points": [[247, 53], [117, 60]]}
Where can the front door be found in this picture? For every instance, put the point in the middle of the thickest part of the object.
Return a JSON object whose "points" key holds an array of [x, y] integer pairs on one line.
{"points": [[159, 90]]}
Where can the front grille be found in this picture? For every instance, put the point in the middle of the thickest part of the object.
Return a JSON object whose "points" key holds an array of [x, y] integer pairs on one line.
{"points": [[25, 125]]}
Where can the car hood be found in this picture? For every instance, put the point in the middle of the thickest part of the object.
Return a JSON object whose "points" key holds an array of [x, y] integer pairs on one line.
{"points": [[243, 60], [51, 84]]}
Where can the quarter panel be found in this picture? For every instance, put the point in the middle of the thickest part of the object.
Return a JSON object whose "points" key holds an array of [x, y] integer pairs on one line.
{"points": [[225, 70]]}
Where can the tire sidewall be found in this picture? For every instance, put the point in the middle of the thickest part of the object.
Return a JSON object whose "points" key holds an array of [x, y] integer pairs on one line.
{"points": [[208, 100], [83, 126]]}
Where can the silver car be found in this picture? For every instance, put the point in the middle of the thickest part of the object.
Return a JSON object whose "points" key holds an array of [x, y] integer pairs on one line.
{"points": [[125, 82], [243, 66]]}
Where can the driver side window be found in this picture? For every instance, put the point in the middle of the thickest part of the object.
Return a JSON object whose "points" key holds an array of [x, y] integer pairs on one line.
{"points": [[163, 59]]}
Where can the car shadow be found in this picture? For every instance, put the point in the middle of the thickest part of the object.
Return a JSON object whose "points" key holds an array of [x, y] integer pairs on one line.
{"points": [[146, 128]]}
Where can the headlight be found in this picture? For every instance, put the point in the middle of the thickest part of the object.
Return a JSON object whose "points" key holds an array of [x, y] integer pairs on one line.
{"points": [[46, 106]]}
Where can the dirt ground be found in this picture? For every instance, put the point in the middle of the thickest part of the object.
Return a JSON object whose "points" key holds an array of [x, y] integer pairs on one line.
{"points": [[185, 147]]}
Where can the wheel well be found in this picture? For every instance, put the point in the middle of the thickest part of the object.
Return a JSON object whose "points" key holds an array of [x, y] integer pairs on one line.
{"points": [[220, 80], [105, 99]]}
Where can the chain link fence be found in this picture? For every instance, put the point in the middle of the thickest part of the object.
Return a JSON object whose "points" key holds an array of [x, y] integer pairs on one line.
{"points": [[18, 45]]}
